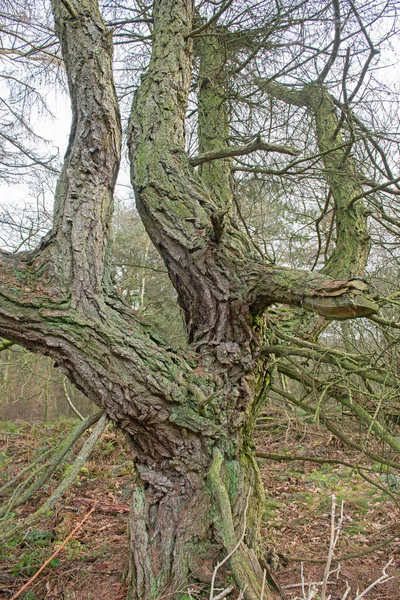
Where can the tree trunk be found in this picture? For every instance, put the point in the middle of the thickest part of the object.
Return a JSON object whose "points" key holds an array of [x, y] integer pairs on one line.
{"points": [[183, 522], [189, 415]]}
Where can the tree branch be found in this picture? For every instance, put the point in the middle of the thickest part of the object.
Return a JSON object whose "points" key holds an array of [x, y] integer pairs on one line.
{"points": [[299, 458], [84, 194], [333, 299], [336, 43], [341, 172], [231, 152], [351, 366], [211, 21], [328, 422]]}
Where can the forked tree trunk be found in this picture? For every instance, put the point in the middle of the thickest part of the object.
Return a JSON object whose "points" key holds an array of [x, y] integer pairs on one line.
{"points": [[189, 416]]}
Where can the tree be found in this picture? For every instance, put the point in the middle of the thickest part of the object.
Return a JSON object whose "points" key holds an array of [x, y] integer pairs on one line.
{"points": [[189, 414]]}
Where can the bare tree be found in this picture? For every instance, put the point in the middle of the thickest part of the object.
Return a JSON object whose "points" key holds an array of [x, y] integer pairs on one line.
{"points": [[190, 415], [28, 58]]}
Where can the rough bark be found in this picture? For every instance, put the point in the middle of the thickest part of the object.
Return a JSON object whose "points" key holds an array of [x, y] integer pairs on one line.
{"points": [[189, 416], [84, 196], [222, 285], [213, 121]]}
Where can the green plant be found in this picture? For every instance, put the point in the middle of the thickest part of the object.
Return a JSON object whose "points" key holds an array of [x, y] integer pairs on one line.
{"points": [[29, 596], [74, 549]]}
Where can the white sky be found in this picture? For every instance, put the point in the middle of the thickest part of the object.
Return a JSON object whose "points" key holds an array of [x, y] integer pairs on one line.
{"points": [[55, 130]]}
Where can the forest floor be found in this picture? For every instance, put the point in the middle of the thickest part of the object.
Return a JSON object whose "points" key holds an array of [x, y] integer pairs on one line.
{"points": [[296, 523]]}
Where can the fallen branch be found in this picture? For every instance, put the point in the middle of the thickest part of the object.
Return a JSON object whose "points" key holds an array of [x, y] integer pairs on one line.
{"points": [[224, 593], [334, 537], [18, 497], [313, 459], [382, 579], [65, 484], [48, 561], [313, 587]]}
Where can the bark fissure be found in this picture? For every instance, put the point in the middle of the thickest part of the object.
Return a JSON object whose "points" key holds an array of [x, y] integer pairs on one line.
{"points": [[84, 196]]}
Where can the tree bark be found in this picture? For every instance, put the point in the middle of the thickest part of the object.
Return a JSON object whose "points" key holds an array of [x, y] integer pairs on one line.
{"points": [[222, 285], [189, 416], [350, 255]]}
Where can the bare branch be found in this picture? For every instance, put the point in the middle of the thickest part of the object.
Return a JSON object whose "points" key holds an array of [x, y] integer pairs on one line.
{"points": [[214, 19], [231, 152], [382, 579], [336, 43]]}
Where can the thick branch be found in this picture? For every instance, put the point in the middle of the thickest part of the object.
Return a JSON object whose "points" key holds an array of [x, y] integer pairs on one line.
{"points": [[333, 299], [147, 389], [210, 263], [213, 126], [295, 97], [84, 196], [350, 255], [233, 151]]}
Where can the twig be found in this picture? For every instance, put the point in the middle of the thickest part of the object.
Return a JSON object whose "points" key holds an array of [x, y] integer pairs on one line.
{"points": [[346, 591], [213, 19], [241, 594], [71, 404], [303, 589], [382, 579], [28, 583], [263, 585], [295, 585], [224, 592], [335, 532]]}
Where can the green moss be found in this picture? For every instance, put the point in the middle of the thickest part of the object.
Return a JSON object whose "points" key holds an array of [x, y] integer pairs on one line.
{"points": [[191, 420], [271, 509]]}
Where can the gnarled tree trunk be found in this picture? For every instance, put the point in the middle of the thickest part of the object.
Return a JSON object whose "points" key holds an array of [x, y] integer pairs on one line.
{"points": [[189, 415]]}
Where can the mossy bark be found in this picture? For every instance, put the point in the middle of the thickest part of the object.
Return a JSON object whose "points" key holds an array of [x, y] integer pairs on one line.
{"points": [[189, 416], [213, 119], [350, 254]]}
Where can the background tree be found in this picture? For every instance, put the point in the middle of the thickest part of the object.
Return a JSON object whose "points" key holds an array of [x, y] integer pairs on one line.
{"points": [[190, 414]]}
